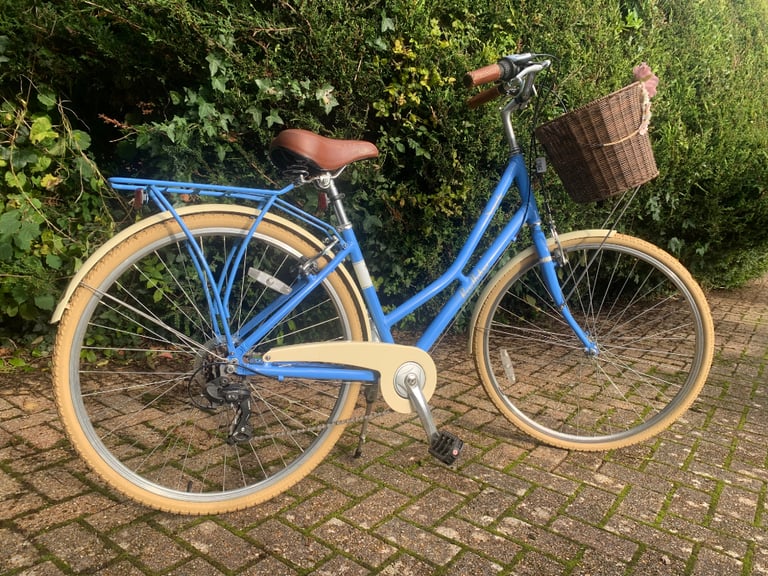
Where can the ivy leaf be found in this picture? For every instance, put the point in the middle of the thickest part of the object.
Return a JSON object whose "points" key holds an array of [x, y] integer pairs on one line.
{"points": [[49, 181], [325, 96], [42, 129], [273, 118], [386, 23], [47, 99], [21, 157], [45, 302], [53, 261], [219, 84], [256, 114], [9, 223], [27, 233], [213, 64], [81, 140], [6, 251], [143, 139], [16, 180]]}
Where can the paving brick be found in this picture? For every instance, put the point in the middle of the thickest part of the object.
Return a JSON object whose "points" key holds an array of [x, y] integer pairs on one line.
{"points": [[497, 479], [470, 563], [712, 562], [289, 544], [666, 542], [396, 479], [21, 505], [344, 479], [490, 504], [8, 486], [79, 548], [652, 562], [18, 551], [114, 516], [608, 544], [542, 505], [198, 567], [420, 542], [56, 483], [150, 546], [405, 565], [501, 550], [316, 508], [367, 549], [221, 545], [340, 565], [62, 512], [731, 543], [535, 537], [693, 505], [44, 569], [431, 507], [534, 563], [376, 507]]}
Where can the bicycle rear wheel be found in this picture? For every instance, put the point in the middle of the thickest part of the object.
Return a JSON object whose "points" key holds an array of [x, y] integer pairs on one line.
{"points": [[137, 377], [651, 323]]}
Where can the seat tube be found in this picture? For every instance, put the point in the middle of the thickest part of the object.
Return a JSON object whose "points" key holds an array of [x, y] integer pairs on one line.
{"points": [[359, 266], [364, 281]]}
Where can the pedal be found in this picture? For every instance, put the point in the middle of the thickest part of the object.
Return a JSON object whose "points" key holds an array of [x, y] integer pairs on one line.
{"points": [[446, 447]]}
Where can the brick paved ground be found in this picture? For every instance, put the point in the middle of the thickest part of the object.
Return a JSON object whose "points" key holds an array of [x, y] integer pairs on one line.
{"points": [[692, 501]]}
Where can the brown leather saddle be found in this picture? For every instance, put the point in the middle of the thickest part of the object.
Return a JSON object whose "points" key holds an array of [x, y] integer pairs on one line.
{"points": [[295, 150]]}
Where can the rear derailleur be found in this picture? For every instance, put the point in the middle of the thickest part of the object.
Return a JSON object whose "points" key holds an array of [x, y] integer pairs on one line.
{"points": [[223, 391]]}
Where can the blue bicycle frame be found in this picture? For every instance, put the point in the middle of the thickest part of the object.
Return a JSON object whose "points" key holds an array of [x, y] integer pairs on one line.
{"points": [[345, 245]]}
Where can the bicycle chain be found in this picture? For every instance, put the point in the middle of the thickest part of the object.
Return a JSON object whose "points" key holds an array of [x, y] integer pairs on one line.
{"points": [[320, 427]]}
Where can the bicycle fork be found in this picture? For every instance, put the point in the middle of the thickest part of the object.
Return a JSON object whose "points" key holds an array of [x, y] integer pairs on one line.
{"points": [[549, 268]]}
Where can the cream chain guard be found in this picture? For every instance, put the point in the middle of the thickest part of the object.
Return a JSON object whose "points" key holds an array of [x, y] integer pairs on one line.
{"points": [[398, 366]]}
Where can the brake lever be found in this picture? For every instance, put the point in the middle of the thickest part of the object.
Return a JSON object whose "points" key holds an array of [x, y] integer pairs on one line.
{"points": [[525, 79]]}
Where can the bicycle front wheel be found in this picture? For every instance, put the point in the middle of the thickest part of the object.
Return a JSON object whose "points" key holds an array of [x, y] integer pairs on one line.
{"points": [[138, 376], [647, 315]]}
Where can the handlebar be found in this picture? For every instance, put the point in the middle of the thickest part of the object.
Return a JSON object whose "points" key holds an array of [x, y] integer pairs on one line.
{"points": [[517, 70]]}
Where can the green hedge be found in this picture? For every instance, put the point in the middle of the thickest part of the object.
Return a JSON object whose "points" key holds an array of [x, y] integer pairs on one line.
{"points": [[196, 89]]}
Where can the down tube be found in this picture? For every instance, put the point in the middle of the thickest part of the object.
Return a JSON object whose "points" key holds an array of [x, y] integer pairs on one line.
{"points": [[516, 174]]}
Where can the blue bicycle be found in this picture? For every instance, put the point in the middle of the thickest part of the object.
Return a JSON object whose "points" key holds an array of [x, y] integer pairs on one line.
{"points": [[209, 356]]}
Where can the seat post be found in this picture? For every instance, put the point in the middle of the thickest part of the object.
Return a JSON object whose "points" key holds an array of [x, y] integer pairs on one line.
{"points": [[327, 184]]}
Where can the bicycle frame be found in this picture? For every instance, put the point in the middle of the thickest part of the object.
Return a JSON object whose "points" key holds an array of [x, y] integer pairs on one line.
{"points": [[217, 290]]}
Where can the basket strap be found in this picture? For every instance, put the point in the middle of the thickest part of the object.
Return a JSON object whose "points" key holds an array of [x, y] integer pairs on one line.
{"points": [[642, 129]]}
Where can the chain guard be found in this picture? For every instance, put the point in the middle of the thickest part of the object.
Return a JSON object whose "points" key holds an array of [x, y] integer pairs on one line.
{"points": [[395, 363]]}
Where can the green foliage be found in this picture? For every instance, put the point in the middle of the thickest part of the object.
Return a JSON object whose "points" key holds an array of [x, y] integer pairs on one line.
{"points": [[51, 214], [709, 205], [197, 89]]}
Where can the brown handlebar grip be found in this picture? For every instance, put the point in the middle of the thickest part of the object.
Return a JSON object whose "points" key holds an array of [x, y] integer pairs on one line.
{"points": [[483, 75], [484, 97]]}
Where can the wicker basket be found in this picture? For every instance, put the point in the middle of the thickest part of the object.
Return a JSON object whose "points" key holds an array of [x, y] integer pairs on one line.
{"points": [[599, 149]]}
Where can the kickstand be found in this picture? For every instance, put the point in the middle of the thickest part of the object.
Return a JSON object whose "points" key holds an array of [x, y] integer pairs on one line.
{"points": [[371, 393]]}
